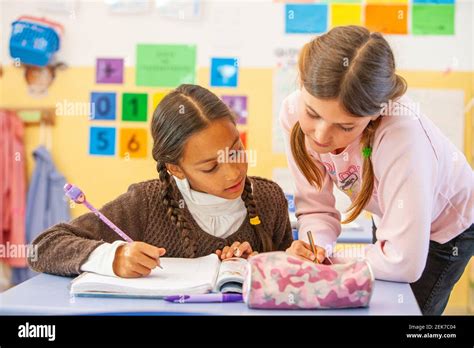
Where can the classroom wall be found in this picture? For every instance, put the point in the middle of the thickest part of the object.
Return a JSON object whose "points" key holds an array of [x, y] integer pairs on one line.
{"points": [[228, 30]]}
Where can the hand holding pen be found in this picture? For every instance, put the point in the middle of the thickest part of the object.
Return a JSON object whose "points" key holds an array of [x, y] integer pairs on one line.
{"points": [[133, 259], [305, 251]]}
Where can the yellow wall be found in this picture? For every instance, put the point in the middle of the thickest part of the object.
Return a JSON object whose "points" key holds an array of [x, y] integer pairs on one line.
{"points": [[103, 178]]}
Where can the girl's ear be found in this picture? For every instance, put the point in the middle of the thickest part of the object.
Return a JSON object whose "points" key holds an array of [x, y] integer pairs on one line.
{"points": [[175, 171]]}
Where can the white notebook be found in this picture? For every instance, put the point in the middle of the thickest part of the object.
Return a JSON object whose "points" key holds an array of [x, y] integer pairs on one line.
{"points": [[179, 276]]}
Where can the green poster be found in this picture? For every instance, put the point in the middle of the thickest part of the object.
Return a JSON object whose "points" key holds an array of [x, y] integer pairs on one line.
{"points": [[165, 65], [433, 19], [134, 107]]}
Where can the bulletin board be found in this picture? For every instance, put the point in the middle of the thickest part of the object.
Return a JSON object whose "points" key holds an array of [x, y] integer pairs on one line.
{"points": [[118, 59], [117, 55]]}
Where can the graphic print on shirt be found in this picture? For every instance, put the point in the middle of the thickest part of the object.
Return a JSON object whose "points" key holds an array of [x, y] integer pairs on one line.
{"points": [[330, 168], [349, 180]]}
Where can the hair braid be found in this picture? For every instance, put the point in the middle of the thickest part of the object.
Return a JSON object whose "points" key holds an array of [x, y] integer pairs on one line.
{"points": [[247, 197], [174, 211], [367, 187]]}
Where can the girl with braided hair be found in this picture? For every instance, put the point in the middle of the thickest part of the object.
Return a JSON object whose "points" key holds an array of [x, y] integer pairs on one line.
{"points": [[203, 201], [351, 125]]}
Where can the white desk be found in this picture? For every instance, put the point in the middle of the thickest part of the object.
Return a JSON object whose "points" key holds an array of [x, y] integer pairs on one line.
{"points": [[49, 295]]}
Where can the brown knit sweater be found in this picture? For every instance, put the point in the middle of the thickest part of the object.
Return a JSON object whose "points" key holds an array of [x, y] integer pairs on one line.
{"points": [[63, 248]]}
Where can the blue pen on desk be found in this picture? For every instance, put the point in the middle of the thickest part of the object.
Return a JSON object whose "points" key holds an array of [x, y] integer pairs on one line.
{"points": [[204, 298]]}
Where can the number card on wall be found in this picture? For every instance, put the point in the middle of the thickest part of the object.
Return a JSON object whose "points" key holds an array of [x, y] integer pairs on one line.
{"points": [[346, 14], [102, 141], [440, 2], [103, 106], [224, 72], [134, 107], [387, 19], [386, 2], [109, 70], [157, 97], [133, 142], [306, 18], [433, 19], [243, 138], [238, 104]]}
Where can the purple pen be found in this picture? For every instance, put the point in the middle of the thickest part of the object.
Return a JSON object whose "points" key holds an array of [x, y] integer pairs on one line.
{"points": [[76, 195], [204, 298]]}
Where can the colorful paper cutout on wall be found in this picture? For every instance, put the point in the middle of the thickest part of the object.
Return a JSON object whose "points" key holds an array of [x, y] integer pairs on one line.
{"points": [[102, 141], [433, 19], [346, 14], [306, 18], [243, 138], [134, 107], [224, 72], [103, 106], [133, 142], [165, 65], [238, 104], [387, 19], [109, 70], [157, 97]]}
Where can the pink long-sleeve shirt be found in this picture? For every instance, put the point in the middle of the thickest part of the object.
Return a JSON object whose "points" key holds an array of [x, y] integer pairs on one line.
{"points": [[424, 189]]}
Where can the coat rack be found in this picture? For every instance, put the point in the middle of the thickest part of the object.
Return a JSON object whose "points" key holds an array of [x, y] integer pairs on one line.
{"points": [[36, 116], [43, 117]]}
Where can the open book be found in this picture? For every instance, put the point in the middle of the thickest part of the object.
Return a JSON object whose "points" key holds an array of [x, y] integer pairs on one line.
{"points": [[179, 276]]}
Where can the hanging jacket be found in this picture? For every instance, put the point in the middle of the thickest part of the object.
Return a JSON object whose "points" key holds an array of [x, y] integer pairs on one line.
{"points": [[46, 203]]}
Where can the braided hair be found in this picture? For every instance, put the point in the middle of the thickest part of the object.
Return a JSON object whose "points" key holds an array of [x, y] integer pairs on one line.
{"points": [[173, 210]]}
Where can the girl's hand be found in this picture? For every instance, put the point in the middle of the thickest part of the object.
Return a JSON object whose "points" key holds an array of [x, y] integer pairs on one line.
{"points": [[237, 249], [303, 250], [136, 259]]}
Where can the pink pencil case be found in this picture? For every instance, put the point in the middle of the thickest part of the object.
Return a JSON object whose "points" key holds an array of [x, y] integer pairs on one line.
{"points": [[277, 280]]}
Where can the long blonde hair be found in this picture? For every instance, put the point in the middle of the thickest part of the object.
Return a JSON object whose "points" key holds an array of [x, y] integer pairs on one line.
{"points": [[357, 67]]}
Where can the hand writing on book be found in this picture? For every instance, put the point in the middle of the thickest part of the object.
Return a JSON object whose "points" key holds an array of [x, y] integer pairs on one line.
{"points": [[136, 259], [237, 249], [303, 250]]}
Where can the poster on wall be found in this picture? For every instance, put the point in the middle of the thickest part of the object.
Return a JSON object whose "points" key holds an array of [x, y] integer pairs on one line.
{"points": [[165, 65], [284, 83]]}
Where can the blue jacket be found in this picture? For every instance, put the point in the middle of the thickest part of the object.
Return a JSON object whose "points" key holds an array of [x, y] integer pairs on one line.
{"points": [[46, 204]]}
